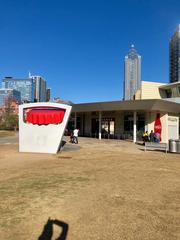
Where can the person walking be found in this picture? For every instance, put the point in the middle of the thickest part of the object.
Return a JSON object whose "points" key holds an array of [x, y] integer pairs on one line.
{"points": [[71, 136], [75, 135]]}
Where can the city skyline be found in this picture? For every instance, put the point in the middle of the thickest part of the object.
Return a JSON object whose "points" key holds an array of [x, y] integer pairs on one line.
{"points": [[79, 44], [32, 88], [25, 86]]}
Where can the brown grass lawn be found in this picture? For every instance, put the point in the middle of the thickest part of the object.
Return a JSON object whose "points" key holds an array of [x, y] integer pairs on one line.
{"points": [[102, 189], [4, 133]]}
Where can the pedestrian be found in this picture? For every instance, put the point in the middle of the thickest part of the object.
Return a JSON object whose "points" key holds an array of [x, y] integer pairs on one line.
{"points": [[157, 137], [145, 137], [71, 136], [151, 136], [75, 135]]}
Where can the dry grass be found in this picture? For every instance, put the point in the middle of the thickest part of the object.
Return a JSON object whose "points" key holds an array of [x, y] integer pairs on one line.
{"points": [[103, 190], [4, 133]]}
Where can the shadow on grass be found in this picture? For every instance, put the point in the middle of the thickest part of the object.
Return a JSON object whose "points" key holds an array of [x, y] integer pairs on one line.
{"points": [[152, 150], [63, 143], [47, 232], [140, 143]]}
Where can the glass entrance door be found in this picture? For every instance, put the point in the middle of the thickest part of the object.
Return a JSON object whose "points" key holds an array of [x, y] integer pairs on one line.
{"points": [[108, 127]]}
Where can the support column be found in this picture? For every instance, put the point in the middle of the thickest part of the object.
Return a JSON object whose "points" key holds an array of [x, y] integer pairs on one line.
{"points": [[134, 126], [75, 120], [100, 124], [82, 124]]}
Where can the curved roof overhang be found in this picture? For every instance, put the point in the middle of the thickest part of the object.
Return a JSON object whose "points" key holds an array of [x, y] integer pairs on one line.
{"points": [[132, 105]]}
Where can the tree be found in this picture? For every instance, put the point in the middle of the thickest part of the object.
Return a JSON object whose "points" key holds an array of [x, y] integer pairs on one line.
{"points": [[9, 114]]}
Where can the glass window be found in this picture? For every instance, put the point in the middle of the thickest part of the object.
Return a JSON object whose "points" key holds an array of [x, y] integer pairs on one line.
{"points": [[168, 93], [128, 122], [141, 122]]}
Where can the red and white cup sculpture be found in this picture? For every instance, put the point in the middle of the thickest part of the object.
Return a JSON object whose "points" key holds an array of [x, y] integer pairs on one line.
{"points": [[42, 126]]}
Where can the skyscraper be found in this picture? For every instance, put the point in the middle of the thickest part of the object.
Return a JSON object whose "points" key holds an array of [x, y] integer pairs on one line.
{"points": [[174, 55], [132, 76], [48, 94], [40, 88], [25, 86]]}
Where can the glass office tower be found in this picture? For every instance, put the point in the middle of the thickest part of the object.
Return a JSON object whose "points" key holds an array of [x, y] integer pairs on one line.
{"points": [[40, 88], [174, 52], [6, 93], [25, 86], [132, 76]]}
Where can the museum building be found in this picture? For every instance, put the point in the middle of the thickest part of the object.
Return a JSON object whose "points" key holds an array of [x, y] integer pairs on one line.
{"points": [[156, 106]]}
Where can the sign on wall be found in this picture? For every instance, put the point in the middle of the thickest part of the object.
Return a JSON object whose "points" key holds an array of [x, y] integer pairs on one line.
{"points": [[173, 127]]}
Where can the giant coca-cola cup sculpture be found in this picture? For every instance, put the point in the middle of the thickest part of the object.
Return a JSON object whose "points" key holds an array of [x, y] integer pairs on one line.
{"points": [[42, 126]]}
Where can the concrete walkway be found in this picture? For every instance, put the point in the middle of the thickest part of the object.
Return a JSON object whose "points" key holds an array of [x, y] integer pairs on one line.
{"points": [[10, 139]]}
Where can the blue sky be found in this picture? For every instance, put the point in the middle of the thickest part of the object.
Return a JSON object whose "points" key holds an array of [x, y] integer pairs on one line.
{"points": [[79, 46]]}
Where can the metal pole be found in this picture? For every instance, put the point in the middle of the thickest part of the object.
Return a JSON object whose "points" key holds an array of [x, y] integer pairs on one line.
{"points": [[75, 120], [134, 126], [100, 125]]}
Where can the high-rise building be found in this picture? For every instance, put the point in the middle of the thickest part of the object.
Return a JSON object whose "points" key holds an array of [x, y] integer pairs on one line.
{"points": [[174, 55], [40, 88], [6, 94], [25, 86], [48, 94], [132, 75]]}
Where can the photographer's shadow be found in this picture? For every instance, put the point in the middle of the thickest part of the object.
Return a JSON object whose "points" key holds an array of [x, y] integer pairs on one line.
{"points": [[47, 232]]}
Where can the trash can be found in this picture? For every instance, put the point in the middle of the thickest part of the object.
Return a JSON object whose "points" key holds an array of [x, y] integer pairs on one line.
{"points": [[172, 146], [178, 145]]}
